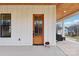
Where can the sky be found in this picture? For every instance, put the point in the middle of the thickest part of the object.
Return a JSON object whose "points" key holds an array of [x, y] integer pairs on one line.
{"points": [[72, 20]]}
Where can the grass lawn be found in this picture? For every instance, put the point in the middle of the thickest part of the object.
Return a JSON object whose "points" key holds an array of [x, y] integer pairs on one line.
{"points": [[76, 38]]}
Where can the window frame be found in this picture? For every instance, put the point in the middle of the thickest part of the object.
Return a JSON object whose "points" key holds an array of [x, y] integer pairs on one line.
{"points": [[5, 36]]}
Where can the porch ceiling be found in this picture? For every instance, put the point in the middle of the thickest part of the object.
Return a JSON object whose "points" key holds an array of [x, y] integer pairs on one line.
{"points": [[66, 9]]}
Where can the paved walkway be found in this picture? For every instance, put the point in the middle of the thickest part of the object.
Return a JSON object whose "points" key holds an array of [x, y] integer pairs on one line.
{"points": [[30, 51], [69, 47]]}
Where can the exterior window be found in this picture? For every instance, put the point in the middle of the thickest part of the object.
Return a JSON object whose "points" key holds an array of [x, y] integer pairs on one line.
{"points": [[38, 26], [5, 25]]}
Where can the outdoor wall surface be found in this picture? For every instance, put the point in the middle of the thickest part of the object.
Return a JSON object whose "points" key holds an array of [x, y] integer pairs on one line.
{"points": [[22, 23]]}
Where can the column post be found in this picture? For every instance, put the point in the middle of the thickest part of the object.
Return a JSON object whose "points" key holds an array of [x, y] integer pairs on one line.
{"points": [[63, 29]]}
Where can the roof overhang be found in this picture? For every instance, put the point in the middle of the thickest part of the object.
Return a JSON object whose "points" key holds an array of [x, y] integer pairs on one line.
{"points": [[65, 9]]}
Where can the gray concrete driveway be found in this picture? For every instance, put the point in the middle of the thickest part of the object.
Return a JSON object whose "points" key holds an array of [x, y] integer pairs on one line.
{"points": [[69, 47]]}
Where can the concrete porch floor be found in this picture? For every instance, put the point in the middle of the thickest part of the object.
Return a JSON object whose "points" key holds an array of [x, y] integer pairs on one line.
{"points": [[30, 51], [63, 48], [70, 48]]}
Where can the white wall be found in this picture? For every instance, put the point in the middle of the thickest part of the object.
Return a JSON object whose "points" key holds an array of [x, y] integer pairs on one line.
{"points": [[22, 23]]}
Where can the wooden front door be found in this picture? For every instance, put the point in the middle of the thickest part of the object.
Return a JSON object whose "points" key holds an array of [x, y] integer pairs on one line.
{"points": [[38, 29]]}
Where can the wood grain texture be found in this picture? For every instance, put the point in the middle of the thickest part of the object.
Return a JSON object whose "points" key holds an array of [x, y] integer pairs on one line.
{"points": [[38, 39], [70, 8]]}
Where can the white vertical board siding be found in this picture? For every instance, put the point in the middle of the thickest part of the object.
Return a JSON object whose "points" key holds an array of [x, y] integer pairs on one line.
{"points": [[22, 23]]}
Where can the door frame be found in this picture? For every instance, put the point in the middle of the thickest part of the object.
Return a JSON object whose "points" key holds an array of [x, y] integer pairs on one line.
{"points": [[42, 29]]}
